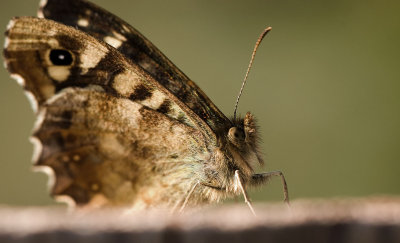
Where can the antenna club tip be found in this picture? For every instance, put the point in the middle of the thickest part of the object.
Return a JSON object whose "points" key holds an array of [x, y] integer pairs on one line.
{"points": [[267, 30]]}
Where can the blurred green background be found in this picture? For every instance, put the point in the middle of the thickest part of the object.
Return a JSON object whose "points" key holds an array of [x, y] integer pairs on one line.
{"points": [[325, 88]]}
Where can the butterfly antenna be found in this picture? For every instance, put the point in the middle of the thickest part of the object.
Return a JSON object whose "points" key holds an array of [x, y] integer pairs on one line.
{"points": [[248, 69]]}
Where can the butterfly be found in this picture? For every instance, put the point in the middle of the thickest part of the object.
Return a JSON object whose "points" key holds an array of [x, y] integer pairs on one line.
{"points": [[118, 124]]}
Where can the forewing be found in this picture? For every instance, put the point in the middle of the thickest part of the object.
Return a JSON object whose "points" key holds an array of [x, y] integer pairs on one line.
{"points": [[116, 32], [30, 47]]}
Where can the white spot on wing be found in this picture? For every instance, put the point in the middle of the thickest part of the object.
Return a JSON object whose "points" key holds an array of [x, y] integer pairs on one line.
{"points": [[59, 73], [32, 100], [10, 24], [53, 43], [6, 42], [49, 171], [83, 22], [126, 28], [41, 6], [116, 40], [119, 36], [20, 80], [156, 99], [38, 123], [37, 148], [67, 200], [91, 56], [112, 41], [125, 82], [42, 3]]}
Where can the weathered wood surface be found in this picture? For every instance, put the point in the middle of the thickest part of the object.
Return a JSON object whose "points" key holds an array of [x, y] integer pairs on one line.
{"points": [[353, 220]]}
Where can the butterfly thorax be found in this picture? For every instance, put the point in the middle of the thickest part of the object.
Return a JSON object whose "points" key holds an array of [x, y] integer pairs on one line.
{"points": [[237, 151]]}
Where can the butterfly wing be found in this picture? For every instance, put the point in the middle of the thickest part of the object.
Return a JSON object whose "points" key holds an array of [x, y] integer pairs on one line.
{"points": [[107, 27], [100, 128]]}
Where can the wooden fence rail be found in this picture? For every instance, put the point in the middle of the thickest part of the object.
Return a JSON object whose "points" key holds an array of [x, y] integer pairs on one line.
{"points": [[370, 220]]}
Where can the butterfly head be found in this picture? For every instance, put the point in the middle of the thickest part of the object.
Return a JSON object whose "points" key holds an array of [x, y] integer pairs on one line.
{"points": [[243, 136], [243, 142]]}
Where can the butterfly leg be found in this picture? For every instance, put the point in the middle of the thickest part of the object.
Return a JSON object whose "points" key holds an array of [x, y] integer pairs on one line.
{"points": [[188, 197], [239, 183], [259, 179]]}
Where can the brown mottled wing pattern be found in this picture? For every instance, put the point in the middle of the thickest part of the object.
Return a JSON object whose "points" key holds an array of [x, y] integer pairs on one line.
{"points": [[109, 28], [100, 127]]}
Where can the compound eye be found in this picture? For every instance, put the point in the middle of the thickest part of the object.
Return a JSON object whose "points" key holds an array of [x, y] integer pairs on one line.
{"points": [[236, 135]]}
